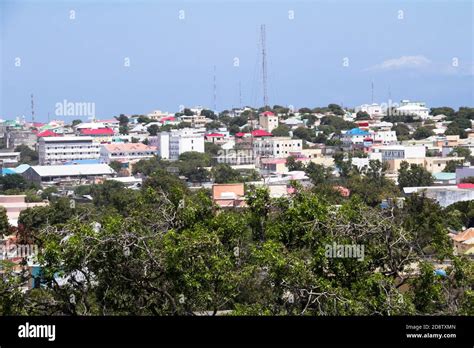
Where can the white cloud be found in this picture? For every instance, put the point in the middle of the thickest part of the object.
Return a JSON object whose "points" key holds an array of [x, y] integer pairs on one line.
{"points": [[404, 62]]}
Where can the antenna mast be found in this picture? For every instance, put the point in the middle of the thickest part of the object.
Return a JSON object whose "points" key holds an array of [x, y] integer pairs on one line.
{"points": [[264, 64], [215, 90], [32, 109]]}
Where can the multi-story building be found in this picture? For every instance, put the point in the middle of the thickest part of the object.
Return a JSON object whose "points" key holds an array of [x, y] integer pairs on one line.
{"points": [[172, 144], [276, 147], [373, 110], [57, 150], [195, 121], [413, 108], [126, 152], [15, 138], [268, 121]]}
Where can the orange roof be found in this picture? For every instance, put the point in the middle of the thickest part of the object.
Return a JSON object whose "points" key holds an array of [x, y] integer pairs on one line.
{"points": [[465, 235], [129, 147]]}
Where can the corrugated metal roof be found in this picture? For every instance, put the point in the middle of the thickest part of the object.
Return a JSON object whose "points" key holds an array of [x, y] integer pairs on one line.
{"points": [[74, 170]]}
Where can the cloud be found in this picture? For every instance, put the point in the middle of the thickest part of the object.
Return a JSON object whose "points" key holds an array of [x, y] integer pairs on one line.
{"points": [[404, 62]]}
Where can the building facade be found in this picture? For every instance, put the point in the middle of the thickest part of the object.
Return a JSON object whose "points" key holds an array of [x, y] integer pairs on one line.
{"points": [[57, 150]]}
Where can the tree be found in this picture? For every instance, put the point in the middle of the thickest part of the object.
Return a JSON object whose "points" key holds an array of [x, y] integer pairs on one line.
{"points": [[293, 164], [153, 129], [188, 112], [209, 114], [402, 131], [451, 166], [16, 182], [422, 133], [223, 174], [27, 155], [123, 123], [304, 134], [444, 110], [413, 175], [213, 125], [281, 131], [4, 225], [76, 122], [362, 115], [116, 165], [317, 173]]}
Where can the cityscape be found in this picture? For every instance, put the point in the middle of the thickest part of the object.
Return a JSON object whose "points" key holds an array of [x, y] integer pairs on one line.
{"points": [[250, 193]]}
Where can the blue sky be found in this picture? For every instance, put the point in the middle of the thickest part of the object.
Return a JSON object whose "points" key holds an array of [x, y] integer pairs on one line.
{"points": [[408, 47]]}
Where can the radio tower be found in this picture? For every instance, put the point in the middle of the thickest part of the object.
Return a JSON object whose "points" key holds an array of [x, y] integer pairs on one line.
{"points": [[215, 90], [372, 91], [264, 65], [240, 95], [32, 110]]}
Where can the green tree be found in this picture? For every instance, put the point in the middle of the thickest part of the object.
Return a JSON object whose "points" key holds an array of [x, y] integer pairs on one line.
{"points": [[223, 174], [422, 133], [116, 165], [27, 155], [281, 131], [153, 129], [412, 175]]}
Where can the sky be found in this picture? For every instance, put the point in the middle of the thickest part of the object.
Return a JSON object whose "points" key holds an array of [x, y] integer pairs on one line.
{"points": [[134, 57]]}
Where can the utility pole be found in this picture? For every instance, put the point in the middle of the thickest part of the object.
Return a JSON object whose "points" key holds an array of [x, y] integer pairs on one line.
{"points": [[264, 64]]}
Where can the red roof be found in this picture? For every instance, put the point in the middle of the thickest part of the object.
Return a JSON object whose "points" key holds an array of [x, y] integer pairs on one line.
{"points": [[362, 123], [97, 131], [215, 135], [466, 186], [168, 118], [240, 134], [47, 133], [261, 133], [267, 113]]}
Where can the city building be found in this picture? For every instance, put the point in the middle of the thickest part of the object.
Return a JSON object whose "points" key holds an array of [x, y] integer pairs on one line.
{"points": [[412, 108], [373, 110], [276, 147], [228, 195], [268, 121], [126, 152], [56, 150], [58, 173], [172, 144], [15, 204]]}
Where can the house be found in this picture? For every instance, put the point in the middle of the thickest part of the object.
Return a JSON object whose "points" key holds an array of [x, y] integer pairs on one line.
{"points": [[408, 107], [170, 145], [56, 150], [126, 152], [276, 147], [15, 204], [464, 242], [229, 195], [57, 173], [268, 121]]}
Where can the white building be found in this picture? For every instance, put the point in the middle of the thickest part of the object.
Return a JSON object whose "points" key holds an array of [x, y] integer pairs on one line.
{"points": [[385, 137], [276, 147], [126, 152], [172, 144], [372, 109], [268, 121], [57, 150], [413, 108], [391, 152]]}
